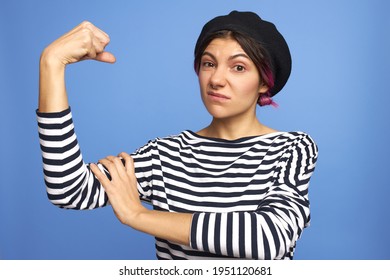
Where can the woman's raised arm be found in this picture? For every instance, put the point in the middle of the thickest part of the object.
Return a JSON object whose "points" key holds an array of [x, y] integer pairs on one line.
{"points": [[69, 181]]}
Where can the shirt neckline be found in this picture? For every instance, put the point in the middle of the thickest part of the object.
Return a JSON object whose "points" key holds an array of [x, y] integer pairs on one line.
{"points": [[239, 140]]}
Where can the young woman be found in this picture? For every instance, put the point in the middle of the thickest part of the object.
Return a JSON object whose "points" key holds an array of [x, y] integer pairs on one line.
{"points": [[236, 188]]}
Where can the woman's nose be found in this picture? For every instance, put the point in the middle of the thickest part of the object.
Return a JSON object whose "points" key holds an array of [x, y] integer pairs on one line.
{"points": [[218, 78]]}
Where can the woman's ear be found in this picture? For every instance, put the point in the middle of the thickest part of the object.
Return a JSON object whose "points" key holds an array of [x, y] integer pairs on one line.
{"points": [[263, 89]]}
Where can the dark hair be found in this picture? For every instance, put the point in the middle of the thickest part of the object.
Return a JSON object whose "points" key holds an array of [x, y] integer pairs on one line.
{"points": [[256, 52]]}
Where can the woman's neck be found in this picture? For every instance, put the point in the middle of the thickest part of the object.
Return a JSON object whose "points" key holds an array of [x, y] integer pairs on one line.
{"points": [[232, 129]]}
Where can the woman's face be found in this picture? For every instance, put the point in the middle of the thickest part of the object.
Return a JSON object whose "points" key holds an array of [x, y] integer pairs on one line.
{"points": [[229, 80]]}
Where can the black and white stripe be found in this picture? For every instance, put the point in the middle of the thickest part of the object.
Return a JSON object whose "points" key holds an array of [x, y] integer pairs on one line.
{"points": [[249, 197]]}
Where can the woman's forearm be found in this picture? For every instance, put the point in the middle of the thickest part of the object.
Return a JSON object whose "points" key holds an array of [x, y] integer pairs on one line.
{"points": [[174, 227], [52, 91]]}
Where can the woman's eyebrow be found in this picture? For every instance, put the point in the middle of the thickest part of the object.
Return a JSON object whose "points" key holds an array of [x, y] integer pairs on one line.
{"points": [[239, 55], [209, 54], [230, 57]]}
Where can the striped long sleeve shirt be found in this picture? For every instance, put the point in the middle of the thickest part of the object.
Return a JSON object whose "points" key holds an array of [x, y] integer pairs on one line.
{"points": [[248, 197]]}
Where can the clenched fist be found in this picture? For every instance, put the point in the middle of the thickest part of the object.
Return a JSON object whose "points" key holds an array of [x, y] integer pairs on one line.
{"points": [[85, 41]]}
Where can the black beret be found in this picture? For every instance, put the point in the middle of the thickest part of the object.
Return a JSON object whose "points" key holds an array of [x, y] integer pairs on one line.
{"points": [[261, 31]]}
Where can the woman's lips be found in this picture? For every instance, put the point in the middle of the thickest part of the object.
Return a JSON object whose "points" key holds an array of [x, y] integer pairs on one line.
{"points": [[217, 96]]}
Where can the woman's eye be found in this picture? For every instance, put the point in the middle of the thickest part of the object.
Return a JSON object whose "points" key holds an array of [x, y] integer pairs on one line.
{"points": [[208, 64], [239, 68]]}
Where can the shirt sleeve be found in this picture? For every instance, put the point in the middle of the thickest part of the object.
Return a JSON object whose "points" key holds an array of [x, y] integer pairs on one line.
{"points": [[272, 230], [70, 183], [147, 167]]}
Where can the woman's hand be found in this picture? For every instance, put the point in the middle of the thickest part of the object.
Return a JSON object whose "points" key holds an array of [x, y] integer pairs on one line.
{"points": [[124, 198], [122, 188], [85, 41]]}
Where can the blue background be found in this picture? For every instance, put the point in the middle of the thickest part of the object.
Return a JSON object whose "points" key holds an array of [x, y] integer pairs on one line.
{"points": [[338, 92]]}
